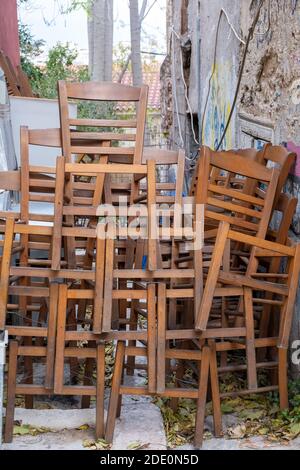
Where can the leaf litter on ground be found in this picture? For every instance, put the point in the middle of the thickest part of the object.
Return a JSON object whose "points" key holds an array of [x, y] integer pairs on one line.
{"points": [[257, 415]]}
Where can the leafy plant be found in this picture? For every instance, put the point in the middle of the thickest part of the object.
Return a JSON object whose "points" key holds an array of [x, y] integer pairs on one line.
{"points": [[30, 48], [59, 66]]}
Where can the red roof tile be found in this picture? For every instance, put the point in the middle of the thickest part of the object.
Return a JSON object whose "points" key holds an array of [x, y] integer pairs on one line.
{"points": [[152, 79]]}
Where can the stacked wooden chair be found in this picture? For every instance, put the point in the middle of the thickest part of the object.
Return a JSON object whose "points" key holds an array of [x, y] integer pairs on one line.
{"points": [[17, 81], [111, 260]]}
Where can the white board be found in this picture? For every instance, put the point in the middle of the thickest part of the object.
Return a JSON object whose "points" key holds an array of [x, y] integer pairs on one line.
{"points": [[36, 113]]}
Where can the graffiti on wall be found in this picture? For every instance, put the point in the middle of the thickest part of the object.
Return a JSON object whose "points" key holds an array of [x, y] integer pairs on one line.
{"points": [[218, 108]]}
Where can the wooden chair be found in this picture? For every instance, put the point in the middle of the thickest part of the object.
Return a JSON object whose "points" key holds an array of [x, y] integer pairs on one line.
{"points": [[69, 347], [45, 311], [109, 92], [10, 75], [33, 302], [281, 158], [282, 284], [94, 209], [17, 80], [156, 337]]}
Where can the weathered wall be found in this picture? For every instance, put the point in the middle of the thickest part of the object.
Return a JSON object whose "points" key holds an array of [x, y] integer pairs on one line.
{"points": [[210, 83], [270, 87], [218, 69], [271, 81]]}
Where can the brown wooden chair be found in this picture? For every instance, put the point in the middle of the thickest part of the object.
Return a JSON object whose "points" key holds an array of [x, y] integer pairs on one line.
{"points": [[156, 353], [17, 81], [102, 92], [10, 75], [221, 283]]}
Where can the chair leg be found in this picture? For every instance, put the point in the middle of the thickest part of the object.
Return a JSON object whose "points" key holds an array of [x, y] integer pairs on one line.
{"points": [[282, 378], [250, 339], [202, 394], [88, 374], [100, 391], [179, 373], [161, 338], [215, 390], [115, 391], [28, 367], [133, 319], [120, 396], [11, 391]]}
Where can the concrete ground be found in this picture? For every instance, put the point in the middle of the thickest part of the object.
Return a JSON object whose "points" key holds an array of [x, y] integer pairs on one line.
{"points": [[149, 433], [64, 418], [65, 434], [140, 425]]}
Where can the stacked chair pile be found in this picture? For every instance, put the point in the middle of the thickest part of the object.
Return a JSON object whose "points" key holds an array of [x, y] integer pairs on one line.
{"points": [[87, 271]]}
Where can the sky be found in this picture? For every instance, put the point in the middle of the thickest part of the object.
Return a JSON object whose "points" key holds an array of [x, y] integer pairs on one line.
{"points": [[46, 22]]}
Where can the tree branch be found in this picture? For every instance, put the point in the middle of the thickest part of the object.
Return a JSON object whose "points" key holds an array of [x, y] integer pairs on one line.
{"points": [[124, 68], [148, 11], [142, 12]]}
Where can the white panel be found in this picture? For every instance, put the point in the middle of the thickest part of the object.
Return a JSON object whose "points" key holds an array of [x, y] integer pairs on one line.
{"points": [[36, 113]]}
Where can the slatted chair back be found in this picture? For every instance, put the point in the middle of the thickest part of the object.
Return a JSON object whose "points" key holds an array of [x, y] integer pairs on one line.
{"points": [[280, 157], [232, 205], [66, 171], [167, 192], [37, 181], [117, 131]]}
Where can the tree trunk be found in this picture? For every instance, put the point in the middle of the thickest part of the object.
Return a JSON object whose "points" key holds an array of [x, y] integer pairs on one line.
{"points": [[90, 29], [108, 40], [135, 34], [100, 35], [136, 19]]}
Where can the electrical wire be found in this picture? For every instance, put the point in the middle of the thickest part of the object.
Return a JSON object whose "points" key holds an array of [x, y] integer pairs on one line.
{"points": [[185, 87], [232, 27], [175, 93], [249, 37]]}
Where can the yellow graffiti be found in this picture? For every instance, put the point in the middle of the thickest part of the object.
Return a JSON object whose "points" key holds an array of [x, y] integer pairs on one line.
{"points": [[218, 108]]}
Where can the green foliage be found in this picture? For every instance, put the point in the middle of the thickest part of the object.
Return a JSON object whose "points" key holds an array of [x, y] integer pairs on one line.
{"points": [[120, 55], [71, 5], [59, 66], [30, 48]]}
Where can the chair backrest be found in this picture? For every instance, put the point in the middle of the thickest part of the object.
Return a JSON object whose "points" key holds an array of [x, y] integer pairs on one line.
{"points": [[279, 156], [87, 142], [228, 203], [17, 81], [69, 208], [37, 181]]}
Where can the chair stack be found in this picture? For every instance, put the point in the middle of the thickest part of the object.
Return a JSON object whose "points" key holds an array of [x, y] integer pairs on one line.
{"points": [[100, 251]]}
